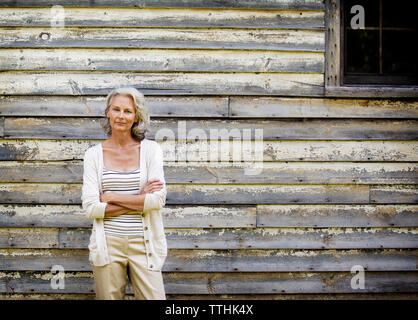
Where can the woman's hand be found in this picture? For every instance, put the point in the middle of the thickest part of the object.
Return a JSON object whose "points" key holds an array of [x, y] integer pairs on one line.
{"points": [[152, 186], [106, 197]]}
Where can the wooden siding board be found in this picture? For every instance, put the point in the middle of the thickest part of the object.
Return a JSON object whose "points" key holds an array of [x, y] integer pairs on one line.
{"points": [[372, 92], [147, 17], [308, 283], [269, 194], [394, 193], [226, 283], [312, 129], [242, 39], [337, 216], [231, 297], [40, 193], [214, 107], [29, 238], [282, 216], [43, 216], [363, 151], [246, 238], [47, 150], [155, 60], [247, 4], [283, 107], [225, 260], [226, 194], [88, 83], [340, 151], [218, 194], [91, 106], [229, 173], [174, 216], [310, 238]]}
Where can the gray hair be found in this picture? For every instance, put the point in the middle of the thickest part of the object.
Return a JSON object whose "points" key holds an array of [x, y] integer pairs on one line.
{"points": [[142, 119]]}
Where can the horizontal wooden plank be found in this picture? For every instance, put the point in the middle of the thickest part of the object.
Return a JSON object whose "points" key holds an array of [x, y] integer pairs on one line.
{"points": [[372, 92], [91, 106], [155, 60], [147, 17], [246, 238], [223, 283], [225, 260], [214, 151], [337, 215], [280, 194], [41, 193], [86, 83], [285, 238], [186, 38], [382, 193], [229, 173], [12, 215], [270, 107], [283, 296], [173, 216], [246, 4], [40, 149], [58, 193], [192, 107], [312, 129], [29, 237], [293, 283]]}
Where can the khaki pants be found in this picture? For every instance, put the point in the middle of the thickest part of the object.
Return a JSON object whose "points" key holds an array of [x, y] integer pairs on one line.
{"points": [[127, 258]]}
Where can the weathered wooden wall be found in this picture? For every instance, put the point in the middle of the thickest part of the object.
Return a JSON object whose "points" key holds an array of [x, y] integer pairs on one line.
{"points": [[338, 186]]}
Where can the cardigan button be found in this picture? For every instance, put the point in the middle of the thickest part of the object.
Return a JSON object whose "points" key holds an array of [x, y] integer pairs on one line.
{"points": [[146, 228], [151, 266], [149, 254]]}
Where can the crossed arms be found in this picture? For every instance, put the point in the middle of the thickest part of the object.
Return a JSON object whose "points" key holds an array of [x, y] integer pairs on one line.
{"points": [[118, 204]]}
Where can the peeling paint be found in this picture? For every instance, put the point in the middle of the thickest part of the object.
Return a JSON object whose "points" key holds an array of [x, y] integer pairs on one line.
{"points": [[190, 232], [305, 253], [10, 275]]}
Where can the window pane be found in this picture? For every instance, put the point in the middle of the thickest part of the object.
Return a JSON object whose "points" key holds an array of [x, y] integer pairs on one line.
{"points": [[398, 14], [384, 52], [399, 55], [362, 51]]}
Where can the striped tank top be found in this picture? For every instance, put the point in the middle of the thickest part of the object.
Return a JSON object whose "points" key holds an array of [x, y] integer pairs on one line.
{"points": [[130, 223]]}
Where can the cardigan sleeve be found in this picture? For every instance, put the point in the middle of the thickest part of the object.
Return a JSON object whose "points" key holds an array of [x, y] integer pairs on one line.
{"points": [[90, 195], [155, 200]]}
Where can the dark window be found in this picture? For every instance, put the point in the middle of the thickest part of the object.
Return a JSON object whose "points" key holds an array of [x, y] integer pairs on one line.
{"points": [[384, 51]]}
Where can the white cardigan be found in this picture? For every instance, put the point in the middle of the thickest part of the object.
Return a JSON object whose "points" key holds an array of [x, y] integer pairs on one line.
{"points": [[151, 167]]}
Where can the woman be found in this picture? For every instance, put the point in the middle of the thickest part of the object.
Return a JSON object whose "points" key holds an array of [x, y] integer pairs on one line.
{"points": [[123, 191]]}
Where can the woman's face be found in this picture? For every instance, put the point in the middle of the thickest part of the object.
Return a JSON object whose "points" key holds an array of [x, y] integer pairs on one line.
{"points": [[121, 113]]}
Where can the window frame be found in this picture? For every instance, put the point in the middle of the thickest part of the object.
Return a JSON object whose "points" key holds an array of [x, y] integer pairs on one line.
{"points": [[334, 59]]}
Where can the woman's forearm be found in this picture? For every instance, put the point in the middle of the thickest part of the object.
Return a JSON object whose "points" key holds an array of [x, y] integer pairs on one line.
{"points": [[130, 201], [113, 210]]}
